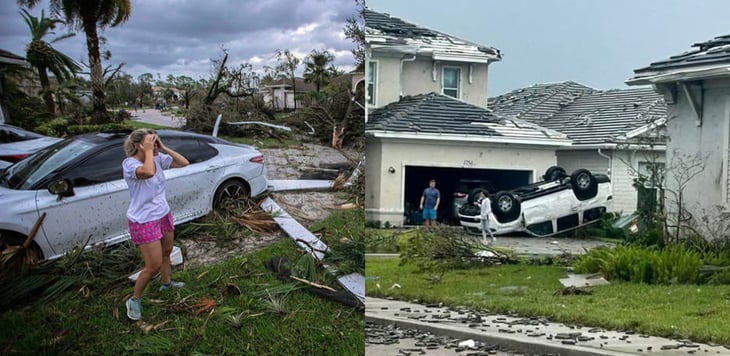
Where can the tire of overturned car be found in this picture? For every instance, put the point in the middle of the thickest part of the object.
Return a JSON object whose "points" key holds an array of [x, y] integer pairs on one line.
{"points": [[506, 207], [584, 184], [554, 173]]}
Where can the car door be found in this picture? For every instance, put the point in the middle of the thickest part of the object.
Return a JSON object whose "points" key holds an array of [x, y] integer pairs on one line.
{"points": [[189, 189], [97, 210]]}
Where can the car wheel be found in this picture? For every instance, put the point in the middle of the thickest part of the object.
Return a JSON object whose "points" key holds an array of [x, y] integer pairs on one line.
{"points": [[474, 195], [554, 173], [505, 207], [228, 193], [12, 240], [584, 184]]}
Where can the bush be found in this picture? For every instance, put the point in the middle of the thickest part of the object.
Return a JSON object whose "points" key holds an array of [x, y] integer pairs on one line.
{"points": [[632, 263]]}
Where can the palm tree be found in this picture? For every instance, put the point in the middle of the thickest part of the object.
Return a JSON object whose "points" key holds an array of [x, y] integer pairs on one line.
{"points": [[316, 68], [43, 57], [89, 16]]}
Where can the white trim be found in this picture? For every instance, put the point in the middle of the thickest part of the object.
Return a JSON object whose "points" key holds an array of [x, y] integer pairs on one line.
{"points": [[458, 84], [469, 138], [705, 72], [726, 156], [375, 82]]}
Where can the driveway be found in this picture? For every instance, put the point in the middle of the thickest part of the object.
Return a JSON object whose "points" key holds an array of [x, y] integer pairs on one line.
{"points": [[153, 116]]}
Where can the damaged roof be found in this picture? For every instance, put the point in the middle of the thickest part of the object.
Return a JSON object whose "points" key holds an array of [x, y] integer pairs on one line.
{"points": [[586, 115], [385, 31], [429, 114], [704, 56]]}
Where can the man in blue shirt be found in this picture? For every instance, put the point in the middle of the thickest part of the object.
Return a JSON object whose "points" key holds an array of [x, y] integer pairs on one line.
{"points": [[430, 202]]}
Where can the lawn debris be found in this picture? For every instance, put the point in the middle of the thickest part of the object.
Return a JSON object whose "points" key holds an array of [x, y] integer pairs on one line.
{"points": [[313, 284], [339, 182], [257, 221], [584, 280], [85, 291], [204, 305], [572, 290], [57, 336], [14, 258], [231, 289]]}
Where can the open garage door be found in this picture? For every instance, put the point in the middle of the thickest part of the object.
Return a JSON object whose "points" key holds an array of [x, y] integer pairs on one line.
{"points": [[451, 181]]}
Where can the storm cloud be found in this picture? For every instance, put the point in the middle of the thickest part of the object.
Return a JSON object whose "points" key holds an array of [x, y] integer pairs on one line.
{"points": [[180, 37]]}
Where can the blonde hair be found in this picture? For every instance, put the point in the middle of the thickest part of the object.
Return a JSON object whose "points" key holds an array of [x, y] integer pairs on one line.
{"points": [[135, 138]]}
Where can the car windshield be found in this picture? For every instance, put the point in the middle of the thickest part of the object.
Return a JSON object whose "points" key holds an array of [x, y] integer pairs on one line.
{"points": [[30, 171]]}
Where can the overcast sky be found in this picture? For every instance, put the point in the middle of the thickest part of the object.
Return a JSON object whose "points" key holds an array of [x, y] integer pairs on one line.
{"points": [[593, 42], [180, 37]]}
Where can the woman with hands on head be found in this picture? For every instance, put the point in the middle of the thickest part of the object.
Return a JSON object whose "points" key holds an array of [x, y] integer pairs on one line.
{"points": [[149, 218]]}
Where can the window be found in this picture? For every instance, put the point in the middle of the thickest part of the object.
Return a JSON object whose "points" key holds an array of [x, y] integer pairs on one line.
{"points": [[372, 81], [193, 150], [103, 167], [450, 81]]}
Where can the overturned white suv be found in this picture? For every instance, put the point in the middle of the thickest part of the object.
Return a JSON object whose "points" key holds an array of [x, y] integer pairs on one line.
{"points": [[557, 204]]}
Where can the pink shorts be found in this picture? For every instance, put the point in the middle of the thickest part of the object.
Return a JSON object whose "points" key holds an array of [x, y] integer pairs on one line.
{"points": [[150, 231]]}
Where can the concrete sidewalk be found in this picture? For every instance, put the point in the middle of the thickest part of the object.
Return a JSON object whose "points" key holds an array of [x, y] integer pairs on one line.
{"points": [[529, 335]]}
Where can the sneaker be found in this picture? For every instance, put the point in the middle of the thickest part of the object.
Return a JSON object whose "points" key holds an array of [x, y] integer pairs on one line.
{"points": [[172, 284], [134, 308]]}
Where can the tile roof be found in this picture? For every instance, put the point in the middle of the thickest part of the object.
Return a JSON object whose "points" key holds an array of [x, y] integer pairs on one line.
{"points": [[387, 31], [714, 51], [439, 114], [586, 115]]}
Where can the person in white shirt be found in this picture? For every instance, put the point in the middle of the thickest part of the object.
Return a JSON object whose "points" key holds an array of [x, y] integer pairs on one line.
{"points": [[486, 209], [150, 222]]}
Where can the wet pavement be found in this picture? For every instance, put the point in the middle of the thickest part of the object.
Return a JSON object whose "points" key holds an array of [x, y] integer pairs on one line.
{"points": [[527, 335]]}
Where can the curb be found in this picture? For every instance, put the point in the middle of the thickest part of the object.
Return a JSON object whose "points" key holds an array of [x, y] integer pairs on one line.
{"points": [[515, 343]]}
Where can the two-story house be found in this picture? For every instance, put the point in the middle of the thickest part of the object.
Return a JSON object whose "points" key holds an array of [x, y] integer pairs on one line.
{"points": [[618, 132], [427, 119], [696, 87]]}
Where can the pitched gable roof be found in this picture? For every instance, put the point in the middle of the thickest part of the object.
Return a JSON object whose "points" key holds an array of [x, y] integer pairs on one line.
{"points": [[587, 116], [426, 115], [706, 56], [385, 31]]}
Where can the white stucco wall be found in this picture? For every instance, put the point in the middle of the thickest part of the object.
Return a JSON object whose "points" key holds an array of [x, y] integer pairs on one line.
{"points": [[707, 191], [417, 78], [622, 168], [384, 190]]}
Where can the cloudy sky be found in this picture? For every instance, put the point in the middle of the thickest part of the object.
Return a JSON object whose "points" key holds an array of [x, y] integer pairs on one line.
{"points": [[594, 42], [180, 37]]}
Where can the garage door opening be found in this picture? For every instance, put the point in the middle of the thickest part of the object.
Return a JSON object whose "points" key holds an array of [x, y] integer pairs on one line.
{"points": [[450, 181]]}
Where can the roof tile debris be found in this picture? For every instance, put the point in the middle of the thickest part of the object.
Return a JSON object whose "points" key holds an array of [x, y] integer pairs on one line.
{"points": [[440, 114], [711, 52], [586, 115], [386, 30]]}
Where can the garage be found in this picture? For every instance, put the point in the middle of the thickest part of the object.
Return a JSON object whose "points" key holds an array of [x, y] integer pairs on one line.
{"points": [[449, 182]]}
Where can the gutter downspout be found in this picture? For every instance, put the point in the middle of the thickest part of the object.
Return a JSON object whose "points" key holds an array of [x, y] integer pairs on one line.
{"points": [[400, 75], [610, 164]]}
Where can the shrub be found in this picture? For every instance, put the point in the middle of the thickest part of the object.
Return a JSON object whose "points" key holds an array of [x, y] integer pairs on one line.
{"points": [[632, 263]]}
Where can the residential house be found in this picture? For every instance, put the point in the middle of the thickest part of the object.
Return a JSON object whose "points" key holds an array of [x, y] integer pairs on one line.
{"points": [[427, 118], [280, 94], [406, 59], [615, 132], [7, 59], [696, 87]]}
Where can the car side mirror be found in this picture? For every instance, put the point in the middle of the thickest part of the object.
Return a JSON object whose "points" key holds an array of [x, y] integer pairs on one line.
{"points": [[62, 188]]}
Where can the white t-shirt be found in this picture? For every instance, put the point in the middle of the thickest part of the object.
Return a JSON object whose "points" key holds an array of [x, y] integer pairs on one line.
{"points": [[147, 196], [486, 208]]}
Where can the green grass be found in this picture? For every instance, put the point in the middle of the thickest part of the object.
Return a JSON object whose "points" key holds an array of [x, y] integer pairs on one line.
{"points": [[143, 125], [239, 324], [699, 313]]}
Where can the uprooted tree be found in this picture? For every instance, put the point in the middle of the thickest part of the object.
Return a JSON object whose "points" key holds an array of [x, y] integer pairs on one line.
{"points": [[230, 92]]}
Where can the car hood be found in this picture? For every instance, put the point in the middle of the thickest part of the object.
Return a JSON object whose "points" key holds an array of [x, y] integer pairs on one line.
{"points": [[28, 146]]}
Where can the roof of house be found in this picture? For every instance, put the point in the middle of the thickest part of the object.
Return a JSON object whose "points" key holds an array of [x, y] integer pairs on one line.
{"points": [[11, 58], [440, 114], [586, 115], [302, 86], [704, 55], [385, 31]]}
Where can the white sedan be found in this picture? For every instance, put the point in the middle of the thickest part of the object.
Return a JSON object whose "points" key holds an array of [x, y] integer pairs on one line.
{"points": [[16, 144], [557, 204], [78, 184]]}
